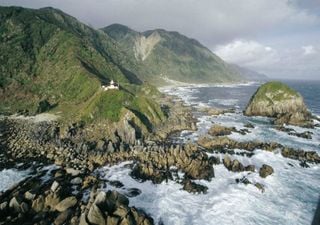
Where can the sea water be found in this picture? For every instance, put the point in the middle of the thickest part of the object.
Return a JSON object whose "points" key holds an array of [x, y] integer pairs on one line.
{"points": [[291, 193]]}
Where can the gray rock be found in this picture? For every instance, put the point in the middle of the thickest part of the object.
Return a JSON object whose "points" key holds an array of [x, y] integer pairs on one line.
{"points": [[62, 217], [76, 181], [95, 215], [29, 196], [24, 207], [112, 220], [265, 171], [38, 204], [83, 220], [73, 172], [3, 206], [14, 204], [66, 203], [54, 186], [227, 161], [260, 187], [100, 198]]}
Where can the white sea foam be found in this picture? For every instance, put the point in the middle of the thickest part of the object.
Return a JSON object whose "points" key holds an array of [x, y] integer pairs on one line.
{"points": [[292, 192], [288, 199], [10, 177]]}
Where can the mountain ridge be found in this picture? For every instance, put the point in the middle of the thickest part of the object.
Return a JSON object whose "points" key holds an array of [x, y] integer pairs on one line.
{"points": [[52, 62], [174, 56]]}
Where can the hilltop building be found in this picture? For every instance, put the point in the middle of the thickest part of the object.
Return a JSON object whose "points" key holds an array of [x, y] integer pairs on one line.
{"points": [[111, 86]]}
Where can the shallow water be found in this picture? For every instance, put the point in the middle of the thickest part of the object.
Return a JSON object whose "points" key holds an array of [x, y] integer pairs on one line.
{"points": [[10, 177]]}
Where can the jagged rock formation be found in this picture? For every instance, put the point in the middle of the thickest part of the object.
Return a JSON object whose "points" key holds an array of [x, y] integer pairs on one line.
{"points": [[277, 100], [220, 144]]}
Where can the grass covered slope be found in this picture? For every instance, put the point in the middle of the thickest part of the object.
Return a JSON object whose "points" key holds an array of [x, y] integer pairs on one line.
{"points": [[161, 54], [50, 58], [275, 99]]}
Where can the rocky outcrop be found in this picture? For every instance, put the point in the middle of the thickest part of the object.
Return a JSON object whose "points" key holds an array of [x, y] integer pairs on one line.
{"points": [[265, 171], [216, 111], [236, 166], [193, 187], [292, 132], [50, 199], [218, 130], [277, 100], [222, 144]]}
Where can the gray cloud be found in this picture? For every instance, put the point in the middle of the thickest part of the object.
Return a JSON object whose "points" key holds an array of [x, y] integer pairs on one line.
{"points": [[214, 22]]}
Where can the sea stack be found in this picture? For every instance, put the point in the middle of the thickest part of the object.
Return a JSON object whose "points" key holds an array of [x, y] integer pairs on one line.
{"points": [[277, 100]]}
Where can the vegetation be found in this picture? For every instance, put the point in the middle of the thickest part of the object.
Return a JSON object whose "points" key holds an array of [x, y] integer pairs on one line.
{"points": [[275, 91], [175, 57], [49, 59]]}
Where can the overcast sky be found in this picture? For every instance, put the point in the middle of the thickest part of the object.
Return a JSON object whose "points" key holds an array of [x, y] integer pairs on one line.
{"points": [[280, 38]]}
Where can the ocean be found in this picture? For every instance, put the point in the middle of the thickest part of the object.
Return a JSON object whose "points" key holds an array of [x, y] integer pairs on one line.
{"points": [[291, 193]]}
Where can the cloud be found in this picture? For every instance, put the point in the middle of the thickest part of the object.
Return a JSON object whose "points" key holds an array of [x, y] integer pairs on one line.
{"points": [[278, 37], [210, 21], [309, 50], [295, 62], [248, 53]]}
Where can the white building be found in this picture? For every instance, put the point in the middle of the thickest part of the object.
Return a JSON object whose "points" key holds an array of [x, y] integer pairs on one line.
{"points": [[111, 86]]}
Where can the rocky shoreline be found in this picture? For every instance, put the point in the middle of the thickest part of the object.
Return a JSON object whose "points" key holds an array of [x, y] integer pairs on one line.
{"points": [[64, 187], [69, 192]]}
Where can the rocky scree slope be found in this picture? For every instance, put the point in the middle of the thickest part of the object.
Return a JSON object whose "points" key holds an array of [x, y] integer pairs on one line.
{"points": [[161, 55]]}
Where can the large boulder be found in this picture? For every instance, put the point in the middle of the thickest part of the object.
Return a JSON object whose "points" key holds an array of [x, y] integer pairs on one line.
{"points": [[265, 171], [277, 100]]}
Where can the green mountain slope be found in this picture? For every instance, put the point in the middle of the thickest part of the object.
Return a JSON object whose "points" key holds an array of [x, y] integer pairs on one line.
{"points": [[162, 55], [50, 58]]}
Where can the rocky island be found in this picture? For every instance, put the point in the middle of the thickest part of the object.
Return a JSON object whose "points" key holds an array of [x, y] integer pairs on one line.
{"points": [[277, 100]]}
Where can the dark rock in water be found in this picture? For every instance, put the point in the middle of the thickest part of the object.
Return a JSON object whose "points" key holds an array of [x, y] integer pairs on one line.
{"points": [[304, 164], [307, 156], [249, 125], [145, 172], [218, 130], [243, 180], [305, 135], [193, 187], [292, 132], [277, 100], [251, 168], [227, 162], [214, 160], [217, 111], [116, 183], [133, 192], [265, 171], [236, 166], [260, 187]]}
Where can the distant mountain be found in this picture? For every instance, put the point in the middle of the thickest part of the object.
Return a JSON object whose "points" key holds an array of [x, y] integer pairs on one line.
{"points": [[51, 61], [249, 74], [164, 55]]}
